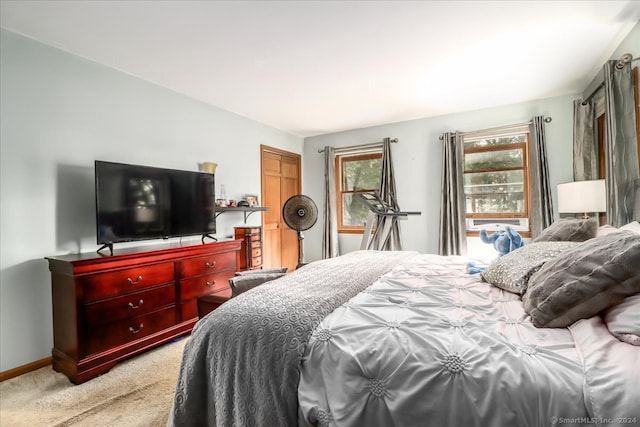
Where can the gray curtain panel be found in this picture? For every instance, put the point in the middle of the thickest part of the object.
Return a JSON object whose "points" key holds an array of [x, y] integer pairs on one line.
{"points": [[330, 248], [541, 203], [388, 194], [636, 205], [453, 236], [621, 150], [585, 154]]}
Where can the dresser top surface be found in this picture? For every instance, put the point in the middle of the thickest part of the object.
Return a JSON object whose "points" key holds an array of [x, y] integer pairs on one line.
{"points": [[176, 249]]}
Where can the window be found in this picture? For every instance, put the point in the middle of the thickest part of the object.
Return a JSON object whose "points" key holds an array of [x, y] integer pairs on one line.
{"points": [[496, 177], [355, 173]]}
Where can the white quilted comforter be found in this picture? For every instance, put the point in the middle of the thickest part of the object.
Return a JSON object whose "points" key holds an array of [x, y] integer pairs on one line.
{"points": [[428, 345], [423, 344]]}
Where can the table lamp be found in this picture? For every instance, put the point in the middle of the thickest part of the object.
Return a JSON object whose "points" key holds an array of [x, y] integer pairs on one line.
{"points": [[582, 197]]}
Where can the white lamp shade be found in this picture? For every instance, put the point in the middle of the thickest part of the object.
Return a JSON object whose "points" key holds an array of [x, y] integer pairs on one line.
{"points": [[582, 197]]}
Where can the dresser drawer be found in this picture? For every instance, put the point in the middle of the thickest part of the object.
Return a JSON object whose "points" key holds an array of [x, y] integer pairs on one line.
{"points": [[256, 261], [207, 264], [256, 244], [196, 286], [129, 305], [245, 231], [256, 238], [125, 331], [256, 252], [105, 285]]}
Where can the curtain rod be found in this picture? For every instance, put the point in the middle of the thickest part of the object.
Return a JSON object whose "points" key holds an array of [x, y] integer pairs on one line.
{"points": [[624, 59], [497, 128], [596, 90], [355, 147]]}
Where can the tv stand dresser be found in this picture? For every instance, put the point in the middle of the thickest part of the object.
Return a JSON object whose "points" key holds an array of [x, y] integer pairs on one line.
{"points": [[110, 307]]}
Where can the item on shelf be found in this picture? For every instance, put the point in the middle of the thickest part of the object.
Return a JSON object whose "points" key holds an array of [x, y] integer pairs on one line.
{"points": [[209, 167], [243, 203], [221, 203], [232, 204], [223, 193], [252, 200]]}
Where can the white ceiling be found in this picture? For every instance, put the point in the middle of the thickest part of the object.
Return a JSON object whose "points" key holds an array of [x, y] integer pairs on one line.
{"points": [[316, 67]]}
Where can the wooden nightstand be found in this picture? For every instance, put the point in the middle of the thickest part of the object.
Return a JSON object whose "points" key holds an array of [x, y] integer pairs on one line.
{"points": [[208, 303]]}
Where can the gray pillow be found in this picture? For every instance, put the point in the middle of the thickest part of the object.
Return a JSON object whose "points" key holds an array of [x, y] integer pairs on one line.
{"points": [[569, 230], [262, 271], [585, 280], [240, 284], [512, 271]]}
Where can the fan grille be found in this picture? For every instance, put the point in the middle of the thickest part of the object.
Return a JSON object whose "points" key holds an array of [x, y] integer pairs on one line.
{"points": [[300, 212]]}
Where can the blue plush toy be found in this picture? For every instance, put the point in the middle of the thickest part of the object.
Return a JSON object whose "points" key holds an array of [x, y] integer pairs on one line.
{"points": [[503, 241]]}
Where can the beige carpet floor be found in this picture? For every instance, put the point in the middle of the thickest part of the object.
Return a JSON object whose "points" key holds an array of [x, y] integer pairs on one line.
{"points": [[136, 393]]}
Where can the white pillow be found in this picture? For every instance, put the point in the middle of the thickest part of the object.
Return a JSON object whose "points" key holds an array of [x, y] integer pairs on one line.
{"points": [[623, 320], [603, 230], [632, 226]]}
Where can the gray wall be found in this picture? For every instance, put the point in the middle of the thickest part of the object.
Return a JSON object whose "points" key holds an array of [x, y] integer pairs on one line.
{"points": [[417, 161], [58, 114]]}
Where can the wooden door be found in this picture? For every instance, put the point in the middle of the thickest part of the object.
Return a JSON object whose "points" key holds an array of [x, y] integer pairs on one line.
{"points": [[281, 179]]}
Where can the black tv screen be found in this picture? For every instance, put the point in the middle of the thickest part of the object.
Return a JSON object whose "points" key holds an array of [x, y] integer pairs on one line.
{"points": [[140, 202]]}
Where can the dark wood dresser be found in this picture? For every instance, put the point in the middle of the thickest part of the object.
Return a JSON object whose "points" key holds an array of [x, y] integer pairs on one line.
{"points": [[109, 307], [251, 251]]}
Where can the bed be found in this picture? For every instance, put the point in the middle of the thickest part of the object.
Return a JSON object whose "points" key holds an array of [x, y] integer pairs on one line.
{"points": [[403, 339]]}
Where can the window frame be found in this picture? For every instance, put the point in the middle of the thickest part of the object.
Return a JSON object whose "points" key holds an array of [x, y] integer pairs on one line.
{"points": [[524, 147], [341, 158]]}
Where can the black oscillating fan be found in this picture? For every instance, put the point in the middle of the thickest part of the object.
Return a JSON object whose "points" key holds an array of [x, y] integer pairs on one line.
{"points": [[300, 213]]}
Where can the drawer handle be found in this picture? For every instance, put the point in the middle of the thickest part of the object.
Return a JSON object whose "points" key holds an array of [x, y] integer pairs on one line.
{"points": [[210, 283], [210, 264], [134, 282], [136, 306], [135, 331]]}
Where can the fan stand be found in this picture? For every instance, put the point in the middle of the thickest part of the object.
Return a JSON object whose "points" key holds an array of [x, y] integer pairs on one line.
{"points": [[301, 262], [300, 213]]}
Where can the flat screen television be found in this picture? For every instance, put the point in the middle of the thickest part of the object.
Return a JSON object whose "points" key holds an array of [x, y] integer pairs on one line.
{"points": [[136, 202]]}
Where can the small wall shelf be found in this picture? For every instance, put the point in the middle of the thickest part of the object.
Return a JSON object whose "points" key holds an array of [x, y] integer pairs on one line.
{"points": [[246, 210]]}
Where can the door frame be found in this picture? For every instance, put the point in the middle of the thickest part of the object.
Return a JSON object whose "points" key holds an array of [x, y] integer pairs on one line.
{"points": [[295, 156]]}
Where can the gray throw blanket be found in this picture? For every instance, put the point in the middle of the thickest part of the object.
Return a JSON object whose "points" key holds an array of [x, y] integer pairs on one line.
{"points": [[241, 364]]}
